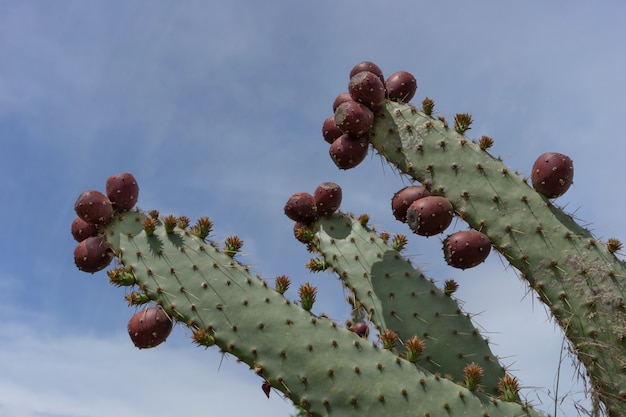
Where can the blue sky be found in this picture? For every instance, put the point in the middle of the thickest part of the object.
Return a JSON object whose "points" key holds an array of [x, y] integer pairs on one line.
{"points": [[216, 108]]}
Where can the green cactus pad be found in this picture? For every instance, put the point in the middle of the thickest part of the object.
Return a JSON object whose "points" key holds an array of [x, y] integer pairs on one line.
{"points": [[327, 369], [399, 297], [578, 278]]}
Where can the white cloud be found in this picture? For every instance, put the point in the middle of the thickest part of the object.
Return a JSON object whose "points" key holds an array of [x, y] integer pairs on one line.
{"points": [[42, 374]]}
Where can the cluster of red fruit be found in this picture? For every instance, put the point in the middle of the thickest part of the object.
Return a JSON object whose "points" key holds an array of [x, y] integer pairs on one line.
{"points": [[428, 215], [151, 326], [94, 210], [347, 130]]}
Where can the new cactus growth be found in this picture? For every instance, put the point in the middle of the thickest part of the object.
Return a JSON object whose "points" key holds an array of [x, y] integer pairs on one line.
{"points": [[425, 356]]}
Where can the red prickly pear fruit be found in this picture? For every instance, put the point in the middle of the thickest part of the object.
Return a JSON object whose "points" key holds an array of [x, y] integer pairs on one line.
{"points": [[401, 200], [327, 198], [330, 131], [301, 208], [81, 230], [553, 174], [149, 327], [466, 249], [122, 190], [354, 118], [368, 66], [348, 151], [401, 86], [94, 207], [360, 328], [341, 98], [92, 254], [366, 88], [429, 215], [266, 389]]}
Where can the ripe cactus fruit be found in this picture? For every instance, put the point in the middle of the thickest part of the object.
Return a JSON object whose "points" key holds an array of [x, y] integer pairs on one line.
{"points": [[122, 190], [327, 197], [401, 86], [341, 98], [402, 200], [367, 88], [348, 151], [94, 207], [330, 131], [81, 230], [92, 254], [429, 215], [149, 327], [354, 118], [553, 174], [360, 329], [370, 67], [300, 207], [466, 248]]}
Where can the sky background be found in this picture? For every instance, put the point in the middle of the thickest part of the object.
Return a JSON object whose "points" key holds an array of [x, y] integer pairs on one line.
{"points": [[217, 108]]}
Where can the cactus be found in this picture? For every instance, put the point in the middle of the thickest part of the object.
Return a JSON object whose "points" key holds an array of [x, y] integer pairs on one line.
{"points": [[426, 357]]}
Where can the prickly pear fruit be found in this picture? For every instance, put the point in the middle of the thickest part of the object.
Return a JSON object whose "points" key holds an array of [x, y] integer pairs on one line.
{"points": [[360, 329], [401, 200], [367, 66], [94, 207], [466, 249], [300, 207], [327, 198], [354, 118], [553, 173], [81, 230], [429, 215], [266, 389], [366, 88], [149, 327], [348, 151], [341, 98], [92, 254], [330, 131], [401, 86], [122, 190]]}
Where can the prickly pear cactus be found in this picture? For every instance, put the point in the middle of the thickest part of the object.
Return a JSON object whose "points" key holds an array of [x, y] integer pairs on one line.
{"points": [[424, 356]]}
